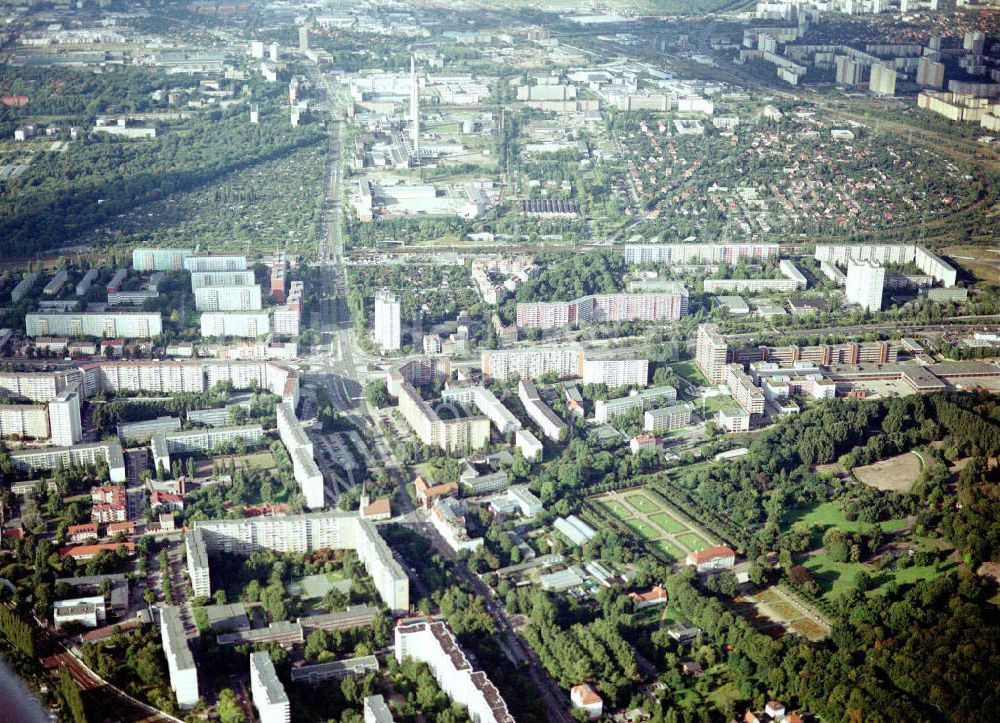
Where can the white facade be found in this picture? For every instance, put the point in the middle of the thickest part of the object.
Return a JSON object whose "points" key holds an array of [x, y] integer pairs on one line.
{"points": [[202, 279], [540, 412], [64, 419], [387, 322], [865, 281], [112, 325], [431, 641], [180, 662], [301, 533], [531, 448], [215, 263], [667, 419], [227, 298], [89, 612], [616, 372], [24, 420], [243, 325], [269, 695], [532, 363]]}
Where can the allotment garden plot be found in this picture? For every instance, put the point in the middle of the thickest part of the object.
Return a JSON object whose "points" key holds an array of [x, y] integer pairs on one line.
{"points": [[653, 520]]}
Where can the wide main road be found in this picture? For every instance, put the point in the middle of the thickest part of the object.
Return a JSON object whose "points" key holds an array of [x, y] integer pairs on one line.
{"points": [[342, 379]]}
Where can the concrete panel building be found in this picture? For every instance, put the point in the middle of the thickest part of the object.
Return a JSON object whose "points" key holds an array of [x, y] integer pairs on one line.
{"points": [[180, 662], [24, 420], [605, 410], [228, 298], [667, 419], [451, 435], [202, 279], [432, 642], [387, 321], [865, 282], [616, 372], [225, 262], [532, 363], [301, 533], [269, 695], [242, 325], [159, 259], [107, 453], [64, 419], [540, 412], [117, 325]]}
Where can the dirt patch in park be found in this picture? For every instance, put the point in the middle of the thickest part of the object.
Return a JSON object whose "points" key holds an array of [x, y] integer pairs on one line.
{"points": [[896, 474]]}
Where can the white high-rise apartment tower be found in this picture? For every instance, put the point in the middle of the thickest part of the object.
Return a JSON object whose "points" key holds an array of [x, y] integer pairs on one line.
{"points": [[387, 309], [865, 280], [64, 419], [415, 108]]}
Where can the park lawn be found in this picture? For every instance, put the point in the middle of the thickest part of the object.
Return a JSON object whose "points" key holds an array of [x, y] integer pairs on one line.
{"points": [[833, 577], [914, 574], [642, 503], [668, 523], [616, 509], [689, 372], [831, 514], [669, 549], [714, 404], [643, 529]]}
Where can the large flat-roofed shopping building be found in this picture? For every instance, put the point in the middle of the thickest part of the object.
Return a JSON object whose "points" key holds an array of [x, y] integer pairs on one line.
{"points": [[300, 533]]}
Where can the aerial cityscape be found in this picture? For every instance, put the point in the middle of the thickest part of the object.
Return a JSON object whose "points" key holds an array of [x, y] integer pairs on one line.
{"points": [[491, 361]]}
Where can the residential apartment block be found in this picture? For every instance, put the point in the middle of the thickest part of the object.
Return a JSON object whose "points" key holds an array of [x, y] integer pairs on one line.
{"points": [[180, 662], [228, 298], [694, 253], [667, 419], [245, 325], [199, 441], [451, 435], [532, 363], [605, 410], [117, 325], [743, 390], [540, 412], [432, 642], [158, 259], [300, 533], [925, 260], [208, 279], [616, 372], [224, 262], [487, 403], [102, 453], [24, 420], [300, 449], [668, 305], [269, 695]]}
